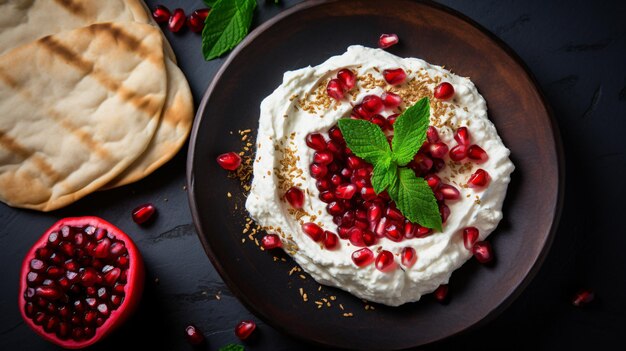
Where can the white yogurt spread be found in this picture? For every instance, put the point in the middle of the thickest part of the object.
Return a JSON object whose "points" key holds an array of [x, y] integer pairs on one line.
{"points": [[300, 106]]}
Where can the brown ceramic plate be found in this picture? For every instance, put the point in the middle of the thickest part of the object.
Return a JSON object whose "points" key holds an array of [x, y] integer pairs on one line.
{"points": [[308, 34]]}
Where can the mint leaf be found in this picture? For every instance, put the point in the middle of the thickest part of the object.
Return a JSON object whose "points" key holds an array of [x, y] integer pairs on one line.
{"points": [[232, 347], [410, 131], [384, 175], [365, 139], [227, 24], [415, 199]]}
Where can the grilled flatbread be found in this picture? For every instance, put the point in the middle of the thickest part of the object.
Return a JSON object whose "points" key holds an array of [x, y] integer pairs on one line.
{"points": [[78, 107]]}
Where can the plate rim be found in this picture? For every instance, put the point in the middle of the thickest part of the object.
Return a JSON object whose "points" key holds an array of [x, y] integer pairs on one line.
{"points": [[303, 6]]}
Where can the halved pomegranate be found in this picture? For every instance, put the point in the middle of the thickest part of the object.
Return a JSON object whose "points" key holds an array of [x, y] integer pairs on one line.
{"points": [[82, 279]]}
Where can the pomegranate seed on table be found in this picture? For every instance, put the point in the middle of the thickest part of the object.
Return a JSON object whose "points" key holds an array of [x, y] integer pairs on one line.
{"points": [[194, 335], [271, 241], [142, 214], [330, 240], [347, 79], [409, 256], [161, 14], [441, 293], [313, 230], [443, 91], [362, 257], [244, 329], [477, 153], [478, 179], [202, 13], [387, 40], [394, 76], [470, 236], [384, 261], [177, 20], [482, 251], [334, 89], [295, 197], [462, 136], [582, 297], [230, 161], [195, 23]]}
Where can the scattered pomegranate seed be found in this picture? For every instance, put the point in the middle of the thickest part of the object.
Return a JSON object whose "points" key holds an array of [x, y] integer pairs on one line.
{"points": [[458, 153], [482, 251], [334, 89], [462, 136], [384, 261], [176, 21], [372, 104], [271, 241], [244, 329], [391, 100], [479, 179], [362, 257], [331, 240], [470, 236], [387, 40], [582, 297], [202, 13], [194, 335], [394, 76], [313, 230], [143, 213], [195, 23], [477, 153], [449, 192], [229, 161], [347, 79], [316, 141], [441, 293], [444, 91], [409, 256], [161, 14], [295, 197]]}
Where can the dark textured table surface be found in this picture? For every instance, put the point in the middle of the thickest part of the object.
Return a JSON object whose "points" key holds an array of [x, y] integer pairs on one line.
{"points": [[577, 52]]}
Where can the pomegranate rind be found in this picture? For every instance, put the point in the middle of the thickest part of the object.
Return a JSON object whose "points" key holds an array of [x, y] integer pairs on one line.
{"points": [[133, 289]]}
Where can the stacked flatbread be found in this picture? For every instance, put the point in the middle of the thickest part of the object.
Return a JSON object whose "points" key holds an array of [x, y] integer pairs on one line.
{"points": [[90, 98]]}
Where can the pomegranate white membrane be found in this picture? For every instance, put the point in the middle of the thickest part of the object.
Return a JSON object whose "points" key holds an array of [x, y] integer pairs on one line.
{"points": [[301, 105]]}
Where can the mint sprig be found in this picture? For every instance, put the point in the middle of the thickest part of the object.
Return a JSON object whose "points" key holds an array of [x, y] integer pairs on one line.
{"points": [[412, 195], [226, 25]]}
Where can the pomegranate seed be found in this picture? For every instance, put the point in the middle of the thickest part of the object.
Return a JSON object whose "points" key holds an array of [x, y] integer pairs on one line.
{"points": [[372, 104], [177, 21], [202, 13], [354, 162], [384, 261], [441, 293], [346, 191], [334, 89], [431, 135], [480, 178], [335, 134], [438, 164], [394, 213], [313, 230], [323, 184], [323, 157], [318, 171], [295, 197], [347, 79], [392, 119], [444, 91], [582, 297], [335, 208], [409, 230], [433, 181], [423, 162], [195, 23], [327, 196], [409, 256], [475, 152], [49, 292], [316, 141], [194, 335], [344, 232], [458, 152], [394, 76], [161, 14], [393, 233], [361, 112], [445, 212], [387, 40], [380, 121], [271, 241], [482, 251], [336, 179], [355, 235], [368, 193], [449, 192], [438, 149], [374, 212], [362, 257], [470, 235], [229, 161], [143, 213], [462, 136], [244, 329], [330, 240], [391, 100]]}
